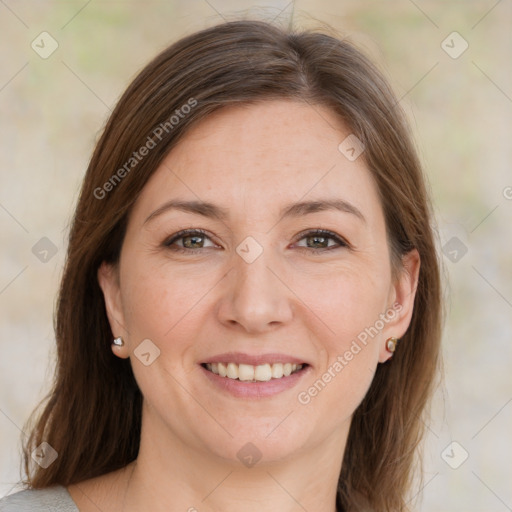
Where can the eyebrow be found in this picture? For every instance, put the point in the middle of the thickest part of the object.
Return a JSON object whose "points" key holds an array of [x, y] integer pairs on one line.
{"points": [[298, 209]]}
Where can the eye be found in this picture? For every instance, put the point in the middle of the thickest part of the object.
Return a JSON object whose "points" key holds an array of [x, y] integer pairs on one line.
{"points": [[190, 239], [194, 239], [320, 240]]}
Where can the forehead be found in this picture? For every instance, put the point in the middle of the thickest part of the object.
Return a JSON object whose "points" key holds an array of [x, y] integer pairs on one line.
{"points": [[256, 157]]}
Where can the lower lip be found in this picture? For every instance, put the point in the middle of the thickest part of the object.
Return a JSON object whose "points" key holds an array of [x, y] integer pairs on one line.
{"points": [[246, 389]]}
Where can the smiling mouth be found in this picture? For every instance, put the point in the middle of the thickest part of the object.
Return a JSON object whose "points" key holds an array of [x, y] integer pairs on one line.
{"points": [[250, 373]]}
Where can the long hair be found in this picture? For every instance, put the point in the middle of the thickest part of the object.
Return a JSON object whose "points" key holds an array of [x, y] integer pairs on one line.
{"points": [[92, 416]]}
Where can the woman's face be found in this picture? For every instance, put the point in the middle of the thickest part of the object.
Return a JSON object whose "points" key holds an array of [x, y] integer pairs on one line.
{"points": [[258, 289]]}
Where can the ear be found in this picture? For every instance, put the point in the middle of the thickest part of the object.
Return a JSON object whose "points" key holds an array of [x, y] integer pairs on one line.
{"points": [[108, 279], [401, 302]]}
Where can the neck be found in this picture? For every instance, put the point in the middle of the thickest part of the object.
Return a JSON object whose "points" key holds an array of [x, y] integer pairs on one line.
{"points": [[171, 475]]}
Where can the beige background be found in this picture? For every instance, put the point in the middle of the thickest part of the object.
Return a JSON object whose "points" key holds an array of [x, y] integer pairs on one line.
{"points": [[53, 109]]}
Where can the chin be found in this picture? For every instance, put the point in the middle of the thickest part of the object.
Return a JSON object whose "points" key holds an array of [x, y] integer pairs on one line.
{"points": [[261, 441]]}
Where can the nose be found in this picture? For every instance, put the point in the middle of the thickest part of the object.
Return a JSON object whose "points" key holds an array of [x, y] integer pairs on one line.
{"points": [[256, 298]]}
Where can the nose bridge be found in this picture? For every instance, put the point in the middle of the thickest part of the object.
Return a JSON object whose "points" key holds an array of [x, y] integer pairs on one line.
{"points": [[254, 276], [257, 298]]}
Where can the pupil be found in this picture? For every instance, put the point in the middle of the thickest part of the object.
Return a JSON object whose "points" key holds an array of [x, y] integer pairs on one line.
{"points": [[192, 237], [316, 238]]}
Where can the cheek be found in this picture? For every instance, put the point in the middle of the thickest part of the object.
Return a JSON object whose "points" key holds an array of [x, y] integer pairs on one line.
{"points": [[147, 309], [349, 304], [164, 304], [346, 300], [349, 386]]}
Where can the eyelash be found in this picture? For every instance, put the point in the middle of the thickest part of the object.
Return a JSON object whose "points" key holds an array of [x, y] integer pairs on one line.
{"points": [[305, 234]]}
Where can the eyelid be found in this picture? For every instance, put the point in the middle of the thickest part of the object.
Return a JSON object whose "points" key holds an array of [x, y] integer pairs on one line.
{"points": [[303, 234], [322, 232], [183, 233]]}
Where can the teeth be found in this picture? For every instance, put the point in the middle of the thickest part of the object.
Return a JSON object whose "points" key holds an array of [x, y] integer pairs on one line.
{"points": [[232, 371], [277, 371], [223, 371], [248, 372], [245, 372], [263, 372]]}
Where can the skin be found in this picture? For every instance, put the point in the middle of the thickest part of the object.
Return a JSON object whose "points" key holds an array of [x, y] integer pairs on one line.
{"points": [[251, 159]]}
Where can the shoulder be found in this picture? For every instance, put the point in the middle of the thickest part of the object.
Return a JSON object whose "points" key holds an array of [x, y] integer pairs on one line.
{"points": [[56, 498]]}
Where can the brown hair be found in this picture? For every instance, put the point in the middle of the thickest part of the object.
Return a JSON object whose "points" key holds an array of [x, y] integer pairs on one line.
{"points": [[92, 417]]}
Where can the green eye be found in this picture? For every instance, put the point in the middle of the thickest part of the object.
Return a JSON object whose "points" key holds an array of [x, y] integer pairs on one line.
{"points": [[189, 238], [321, 240], [192, 240]]}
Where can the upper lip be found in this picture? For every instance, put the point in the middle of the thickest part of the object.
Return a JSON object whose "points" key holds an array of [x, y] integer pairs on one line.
{"points": [[254, 360]]}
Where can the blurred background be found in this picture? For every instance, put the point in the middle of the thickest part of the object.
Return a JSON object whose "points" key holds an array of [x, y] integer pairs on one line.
{"points": [[65, 64]]}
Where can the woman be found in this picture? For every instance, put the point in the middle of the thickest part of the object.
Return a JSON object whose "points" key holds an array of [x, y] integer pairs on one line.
{"points": [[252, 240]]}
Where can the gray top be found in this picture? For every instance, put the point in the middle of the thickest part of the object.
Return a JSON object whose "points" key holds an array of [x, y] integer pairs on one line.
{"points": [[51, 499]]}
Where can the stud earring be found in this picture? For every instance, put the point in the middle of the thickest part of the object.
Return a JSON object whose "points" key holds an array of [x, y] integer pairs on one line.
{"points": [[391, 344], [118, 342]]}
